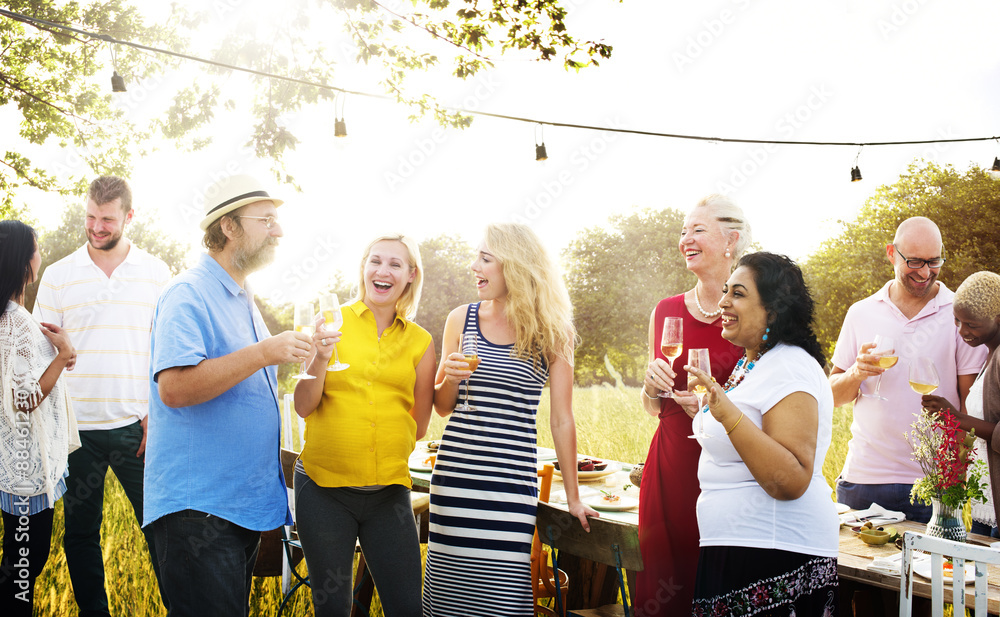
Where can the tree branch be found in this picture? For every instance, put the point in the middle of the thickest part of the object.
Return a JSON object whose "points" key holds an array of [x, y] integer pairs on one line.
{"points": [[20, 89]]}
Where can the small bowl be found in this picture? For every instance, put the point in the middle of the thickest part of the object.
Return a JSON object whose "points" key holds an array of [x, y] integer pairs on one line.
{"points": [[874, 537]]}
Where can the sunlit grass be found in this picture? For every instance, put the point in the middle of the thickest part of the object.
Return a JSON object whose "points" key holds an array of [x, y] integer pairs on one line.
{"points": [[610, 424]]}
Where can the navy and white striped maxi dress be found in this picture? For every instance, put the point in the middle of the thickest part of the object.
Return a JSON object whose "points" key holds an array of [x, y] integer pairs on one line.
{"points": [[484, 491]]}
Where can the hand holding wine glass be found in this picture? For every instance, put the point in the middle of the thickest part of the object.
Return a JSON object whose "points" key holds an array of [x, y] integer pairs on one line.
{"points": [[303, 319], [671, 344], [885, 349], [333, 319], [469, 347], [698, 359]]}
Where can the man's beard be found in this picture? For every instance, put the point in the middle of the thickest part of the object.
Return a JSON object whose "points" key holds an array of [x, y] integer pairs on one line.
{"points": [[109, 244], [248, 260]]}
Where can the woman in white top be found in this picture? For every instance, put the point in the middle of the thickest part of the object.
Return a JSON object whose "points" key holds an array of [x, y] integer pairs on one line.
{"points": [[977, 315], [37, 430], [769, 530]]}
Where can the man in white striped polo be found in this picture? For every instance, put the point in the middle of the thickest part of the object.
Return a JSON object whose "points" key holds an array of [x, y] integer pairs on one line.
{"points": [[104, 294]]}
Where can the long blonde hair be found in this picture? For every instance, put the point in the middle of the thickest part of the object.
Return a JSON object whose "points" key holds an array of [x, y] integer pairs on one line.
{"points": [[538, 308], [406, 306]]}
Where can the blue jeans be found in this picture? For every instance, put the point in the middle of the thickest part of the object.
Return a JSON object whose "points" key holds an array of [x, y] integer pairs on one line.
{"points": [[889, 496], [206, 564], [331, 520]]}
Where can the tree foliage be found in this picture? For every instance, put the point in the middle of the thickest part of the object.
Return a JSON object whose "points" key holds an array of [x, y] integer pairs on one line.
{"points": [[448, 282], [616, 274], [852, 266], [59, 83]]}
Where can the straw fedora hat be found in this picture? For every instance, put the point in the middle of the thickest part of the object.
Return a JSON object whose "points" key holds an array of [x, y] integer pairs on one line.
{"points": [[230, 193]]}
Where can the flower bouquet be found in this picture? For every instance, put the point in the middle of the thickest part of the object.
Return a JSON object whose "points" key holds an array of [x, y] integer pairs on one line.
{"points": [[945, 455]]}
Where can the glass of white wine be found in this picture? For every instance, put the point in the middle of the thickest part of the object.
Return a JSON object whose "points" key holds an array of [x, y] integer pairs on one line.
{"points": [[469, 344], [885, 349], [303, 317], [671, 344], [924, 376], [698, 358], [329, 305]]}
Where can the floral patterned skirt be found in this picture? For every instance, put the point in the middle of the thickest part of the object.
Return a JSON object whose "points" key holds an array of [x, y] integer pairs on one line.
{"points": [[736, 580]]}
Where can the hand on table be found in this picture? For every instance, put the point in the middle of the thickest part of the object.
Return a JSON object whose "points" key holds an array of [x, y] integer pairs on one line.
{"points": [[581, 511]]}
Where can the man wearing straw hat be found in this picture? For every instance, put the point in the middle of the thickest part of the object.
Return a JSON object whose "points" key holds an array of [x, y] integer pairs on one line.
{"points": [[213, 469]]}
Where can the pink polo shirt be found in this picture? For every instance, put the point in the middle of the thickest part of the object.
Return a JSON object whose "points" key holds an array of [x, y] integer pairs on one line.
{"points": [[878, 452]]}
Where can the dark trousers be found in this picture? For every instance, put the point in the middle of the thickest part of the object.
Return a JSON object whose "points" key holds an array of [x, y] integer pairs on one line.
{"points": [[84, 507], [25, 550], [206, 564]]}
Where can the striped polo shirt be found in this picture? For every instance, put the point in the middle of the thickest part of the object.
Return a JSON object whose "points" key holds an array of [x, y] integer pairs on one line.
{"points": [[108, 320]]}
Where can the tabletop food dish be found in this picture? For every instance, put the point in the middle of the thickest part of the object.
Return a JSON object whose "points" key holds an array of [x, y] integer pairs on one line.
{"points": [[610, 468], [600, 502], [923, 568]]}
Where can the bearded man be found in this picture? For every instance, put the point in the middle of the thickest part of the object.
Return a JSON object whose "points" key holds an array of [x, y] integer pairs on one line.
{"points": [[213, 472]]}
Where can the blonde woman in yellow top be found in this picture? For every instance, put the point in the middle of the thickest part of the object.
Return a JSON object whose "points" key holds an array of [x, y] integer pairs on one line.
{"points": [[484, 490], [352, 481]]}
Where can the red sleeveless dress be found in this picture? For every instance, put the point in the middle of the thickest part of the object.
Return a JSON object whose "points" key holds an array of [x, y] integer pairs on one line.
{"points": [[668, 525]]}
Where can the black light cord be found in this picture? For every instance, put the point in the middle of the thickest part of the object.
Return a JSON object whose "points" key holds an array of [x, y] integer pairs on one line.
{"points": [[108, 38]]}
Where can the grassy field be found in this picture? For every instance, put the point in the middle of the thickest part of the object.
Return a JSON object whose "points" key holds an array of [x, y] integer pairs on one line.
{"points": [[610, 424]]}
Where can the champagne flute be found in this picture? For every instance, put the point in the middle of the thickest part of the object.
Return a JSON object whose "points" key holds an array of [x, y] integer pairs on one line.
{"points": [[698, 358], [303, 320], [671, 344], [885, 348], [469, 344], [923, 376], [329, 305]]}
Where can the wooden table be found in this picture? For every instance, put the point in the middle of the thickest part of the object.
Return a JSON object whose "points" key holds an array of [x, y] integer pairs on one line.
{"points": [[856, 556]]}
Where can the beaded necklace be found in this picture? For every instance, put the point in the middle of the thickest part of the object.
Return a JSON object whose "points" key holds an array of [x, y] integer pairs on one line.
{"points": [[743, 367], [697, 303]]}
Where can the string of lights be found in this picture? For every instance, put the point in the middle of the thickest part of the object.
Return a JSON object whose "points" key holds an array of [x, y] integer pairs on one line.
{"points": [[118, 86]]}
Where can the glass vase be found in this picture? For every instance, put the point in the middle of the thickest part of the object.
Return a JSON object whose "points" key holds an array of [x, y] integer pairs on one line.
{"points": [[946, 522]]}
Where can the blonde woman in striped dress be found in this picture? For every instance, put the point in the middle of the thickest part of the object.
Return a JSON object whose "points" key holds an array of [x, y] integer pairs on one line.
{"points": [[484, 489]]}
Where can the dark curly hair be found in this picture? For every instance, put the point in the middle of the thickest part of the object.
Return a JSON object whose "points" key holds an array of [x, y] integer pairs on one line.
{"points": [[786, 299]]}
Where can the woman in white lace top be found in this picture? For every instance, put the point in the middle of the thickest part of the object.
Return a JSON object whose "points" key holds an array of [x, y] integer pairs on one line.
{"points": [[37, 429]]}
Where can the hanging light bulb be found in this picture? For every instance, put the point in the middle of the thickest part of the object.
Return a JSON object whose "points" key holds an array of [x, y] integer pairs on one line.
{"points": [[856, 171], [540, 153], [339, 125], [117, 81], [339, 128], [996, 165]]}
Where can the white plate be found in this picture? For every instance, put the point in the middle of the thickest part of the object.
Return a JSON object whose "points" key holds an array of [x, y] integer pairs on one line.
{"points": [[923, 568], [625, 503], [593, 475], [842, 507]]}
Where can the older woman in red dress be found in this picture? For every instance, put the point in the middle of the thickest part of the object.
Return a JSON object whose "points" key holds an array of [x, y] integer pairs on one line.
{"points": [[714, 235]]}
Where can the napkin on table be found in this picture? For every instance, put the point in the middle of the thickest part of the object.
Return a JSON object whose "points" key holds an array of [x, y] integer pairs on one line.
{"points": [[876, 514]]}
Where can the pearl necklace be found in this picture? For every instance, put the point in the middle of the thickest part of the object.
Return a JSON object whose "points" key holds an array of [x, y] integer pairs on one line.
{"points": [[743, 367], [697, 303]]}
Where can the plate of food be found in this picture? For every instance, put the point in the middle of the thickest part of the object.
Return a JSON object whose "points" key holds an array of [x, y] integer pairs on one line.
{"points": [[611, 502], [923, 568], [842, 508], [592, 468], [431, 446]]}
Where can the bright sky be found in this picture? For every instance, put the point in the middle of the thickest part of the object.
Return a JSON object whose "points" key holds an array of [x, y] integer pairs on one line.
{"points": [[852, 70]]}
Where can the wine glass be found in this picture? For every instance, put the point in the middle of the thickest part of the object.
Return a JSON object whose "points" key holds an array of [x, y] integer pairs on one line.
{"points": [[671, 344], [698, 358], [303, 320], [885, 348], [329, 305], [469, 344], [923, 376]]}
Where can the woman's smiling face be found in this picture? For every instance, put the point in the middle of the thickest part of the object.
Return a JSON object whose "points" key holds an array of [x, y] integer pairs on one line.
{"points": [[744, 318], [387, 273]]}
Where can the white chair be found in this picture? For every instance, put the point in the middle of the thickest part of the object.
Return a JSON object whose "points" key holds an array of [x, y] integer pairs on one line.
{"points": [[938, 549]]}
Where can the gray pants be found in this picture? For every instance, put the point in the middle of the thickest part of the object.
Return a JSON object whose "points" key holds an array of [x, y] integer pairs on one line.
{"points": [[331, 520]]}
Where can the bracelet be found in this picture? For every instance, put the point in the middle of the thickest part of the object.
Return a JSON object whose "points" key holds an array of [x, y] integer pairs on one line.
{"points": [[652, 398], [737, 423]]}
